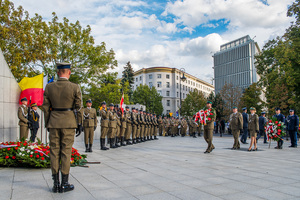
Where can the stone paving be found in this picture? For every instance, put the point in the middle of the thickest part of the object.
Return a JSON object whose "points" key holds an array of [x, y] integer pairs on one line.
{"points": [[169, 168]]}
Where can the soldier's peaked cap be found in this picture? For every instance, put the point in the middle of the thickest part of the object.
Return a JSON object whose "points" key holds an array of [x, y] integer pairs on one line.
{"points": [[209, 102], [34, 105], [111, 104], [234, 107], [88, 101], [141, 110], [292, 110], [127, 107], [103, 103], [116, 106], [277, 108], [244, 108], [24, 99], [263, 113], [63, 65], [133, 108], [252, 108]]}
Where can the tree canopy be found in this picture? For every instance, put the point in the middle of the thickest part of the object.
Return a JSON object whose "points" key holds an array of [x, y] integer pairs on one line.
{"points": [[252, 98], [193, 102]]}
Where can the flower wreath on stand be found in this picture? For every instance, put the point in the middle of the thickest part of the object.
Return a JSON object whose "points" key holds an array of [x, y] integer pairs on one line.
{"points": [[205, 115], [275, 129]]}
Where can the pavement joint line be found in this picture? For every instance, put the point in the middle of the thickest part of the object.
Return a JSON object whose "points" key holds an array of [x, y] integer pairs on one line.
{"points": [[49, 187], [12, 184], [83, 186]]}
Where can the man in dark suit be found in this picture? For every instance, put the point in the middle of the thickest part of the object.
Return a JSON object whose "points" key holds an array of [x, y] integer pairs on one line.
{"points": [[292, 124], [34, 118], [245, 126], [262, 122]]}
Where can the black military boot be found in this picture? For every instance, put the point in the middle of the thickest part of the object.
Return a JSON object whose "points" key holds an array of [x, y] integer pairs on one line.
{"points": [[102, 143], [123, 142], [128, 142], [148, 138], [86, 148], [145, 139], [194, 135], [155, 138], [142, 139], [56, 185], [112, 143], [117, 141], [134, 140], [65, 185], [151, 138], [90, 149]]}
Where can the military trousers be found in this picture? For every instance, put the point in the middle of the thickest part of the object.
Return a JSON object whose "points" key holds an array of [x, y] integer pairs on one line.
{"points": [[138, 131], [128, 131], [112, 132], [160, 130], [123, 131], [142, 131], [61, 142], [155, 130], [88, 135], [134, 129], [24, 132], [118, 131], [146, 130], [236, 136], [208, 136], [183, 131], [104, 132], [33, 133]]}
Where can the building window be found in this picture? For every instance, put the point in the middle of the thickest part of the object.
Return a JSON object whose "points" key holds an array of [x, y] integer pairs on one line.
{"points": [[168, 76], [150, 76], [140, 78], [150, 84], [168, 93], [177, 94], [178, 104], [168, 102], [177, 85], [183, 95], [159, 92], [159, 84], [168, 84], [188, 81], [158, 75], [136, 79], [168, 111], [177, 78]]}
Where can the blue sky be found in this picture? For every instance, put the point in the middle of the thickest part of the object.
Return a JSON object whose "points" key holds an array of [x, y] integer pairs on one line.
{"points": [[174, 33]]}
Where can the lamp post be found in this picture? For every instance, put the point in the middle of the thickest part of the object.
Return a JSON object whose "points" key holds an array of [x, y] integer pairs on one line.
{"points": [[182, 71]]}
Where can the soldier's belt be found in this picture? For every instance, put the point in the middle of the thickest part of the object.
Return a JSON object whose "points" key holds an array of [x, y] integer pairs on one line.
{"points": [[62, 109]]}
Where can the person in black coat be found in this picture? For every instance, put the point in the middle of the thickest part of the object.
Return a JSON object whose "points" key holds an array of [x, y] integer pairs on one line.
{"points": [[262, 122], [34, 118], [280, 117], [245, 126], [292, 124], [222, 129]]}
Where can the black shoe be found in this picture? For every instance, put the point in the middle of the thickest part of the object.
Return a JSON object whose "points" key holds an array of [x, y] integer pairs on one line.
{"points": [[249, 149], [87, 148], [56, 185], [112, 143], [155, 138], [134, 141], [265, 142], [291, 146], [151, 138], [65, 185], [102, 144], [233, 148], [206, 151], [90, 149], [128, 142]]}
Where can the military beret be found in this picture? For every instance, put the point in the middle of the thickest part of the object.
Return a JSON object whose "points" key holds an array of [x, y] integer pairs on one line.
{"points": [[209, 102], [127, 107], [234, 107], [103, 103], [277, 109], [116, 106], [263, 113], [111, 104], [34, 105], [252, 108], [88, 101], [133, 108], [292, 110], [24, 99], [244, 108], [141, 110], [63, 65]]}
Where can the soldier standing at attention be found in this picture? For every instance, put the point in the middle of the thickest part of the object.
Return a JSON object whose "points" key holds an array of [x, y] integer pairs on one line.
{"points": [[245, 126], [160, 125], [123, 128], [128, 125], [262, 122], [292, 124], [134, 125], [253, 128], [35, 121], [104, 125], [23, 117], [280, 118], [118, 132], [166, 126], [112, 116], [236, 126], [89, 125], [139, 132], [61, 100], [183, 127], [142, 126], [155, 127], [209, 129]]}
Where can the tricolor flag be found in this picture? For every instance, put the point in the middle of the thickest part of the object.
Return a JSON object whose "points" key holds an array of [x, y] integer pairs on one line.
{"points": [[121, 103], [32, 87]]}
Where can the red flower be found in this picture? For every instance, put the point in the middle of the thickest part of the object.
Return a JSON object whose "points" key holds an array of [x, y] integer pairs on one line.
{"points": [[31, 156], [209, 119], [72, 158], [8, 149], [272, 131], [77, 158], [279, 133], [276, 122], [270, 121], [16, 148], [37, 156], [6, 157], [279, 124], [14, 157], [42, 158], [41, 154], [35, 151], [211, 113], [279, 130]]}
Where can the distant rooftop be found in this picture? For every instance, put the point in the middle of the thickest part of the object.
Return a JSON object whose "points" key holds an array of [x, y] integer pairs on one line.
{"points": [[235, 43]]}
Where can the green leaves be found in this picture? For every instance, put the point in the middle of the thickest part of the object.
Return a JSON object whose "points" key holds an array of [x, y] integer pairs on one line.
{"points": [[193, 102], [252, 98]]}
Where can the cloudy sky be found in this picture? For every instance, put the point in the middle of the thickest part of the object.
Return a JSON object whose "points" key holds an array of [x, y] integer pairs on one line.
{"points": [[172, 33]]}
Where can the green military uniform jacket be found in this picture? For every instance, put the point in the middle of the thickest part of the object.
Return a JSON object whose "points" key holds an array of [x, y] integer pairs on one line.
{"points": [[210, 124], [23, 115], [134, 118], [112, 116], [104, 118], [89, 117], [128, 118], [253, 122], [236, 121], [62, 94]]}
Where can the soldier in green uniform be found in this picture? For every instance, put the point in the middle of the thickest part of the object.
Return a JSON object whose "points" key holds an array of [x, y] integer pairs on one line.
{"points": [[112, 127], [190, 124], [142, 126], [134, 125], [155, 127], [61, 100], [166, 126], [209, 129], [23, 118], [104, 125], [253, 128], [151, 126], [173, 126], [123, 128], [89, 125], [139, 132], [118, 132], [128, 125], [236, 126], [160, 125], [184, 126]]}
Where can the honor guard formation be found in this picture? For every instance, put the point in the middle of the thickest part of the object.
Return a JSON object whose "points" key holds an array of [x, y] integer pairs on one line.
{"points": [[65, 117]]}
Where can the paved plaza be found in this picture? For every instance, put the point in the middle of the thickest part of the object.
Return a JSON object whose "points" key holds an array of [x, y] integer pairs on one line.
{"points": [[170, 168]]}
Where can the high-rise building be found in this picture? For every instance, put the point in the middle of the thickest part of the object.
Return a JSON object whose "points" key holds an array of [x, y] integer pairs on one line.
{"points": [[167, 82], [235, 63]]}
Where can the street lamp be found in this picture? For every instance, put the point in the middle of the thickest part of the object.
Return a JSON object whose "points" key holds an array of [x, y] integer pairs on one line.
{"points": [[183, 78]]}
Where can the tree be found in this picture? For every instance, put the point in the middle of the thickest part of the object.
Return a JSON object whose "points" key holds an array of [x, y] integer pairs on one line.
{"points": [[218, 104], [193, 102], [231, 96], [252, 98], [128, 76], [149, 97], [30, 45]]}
